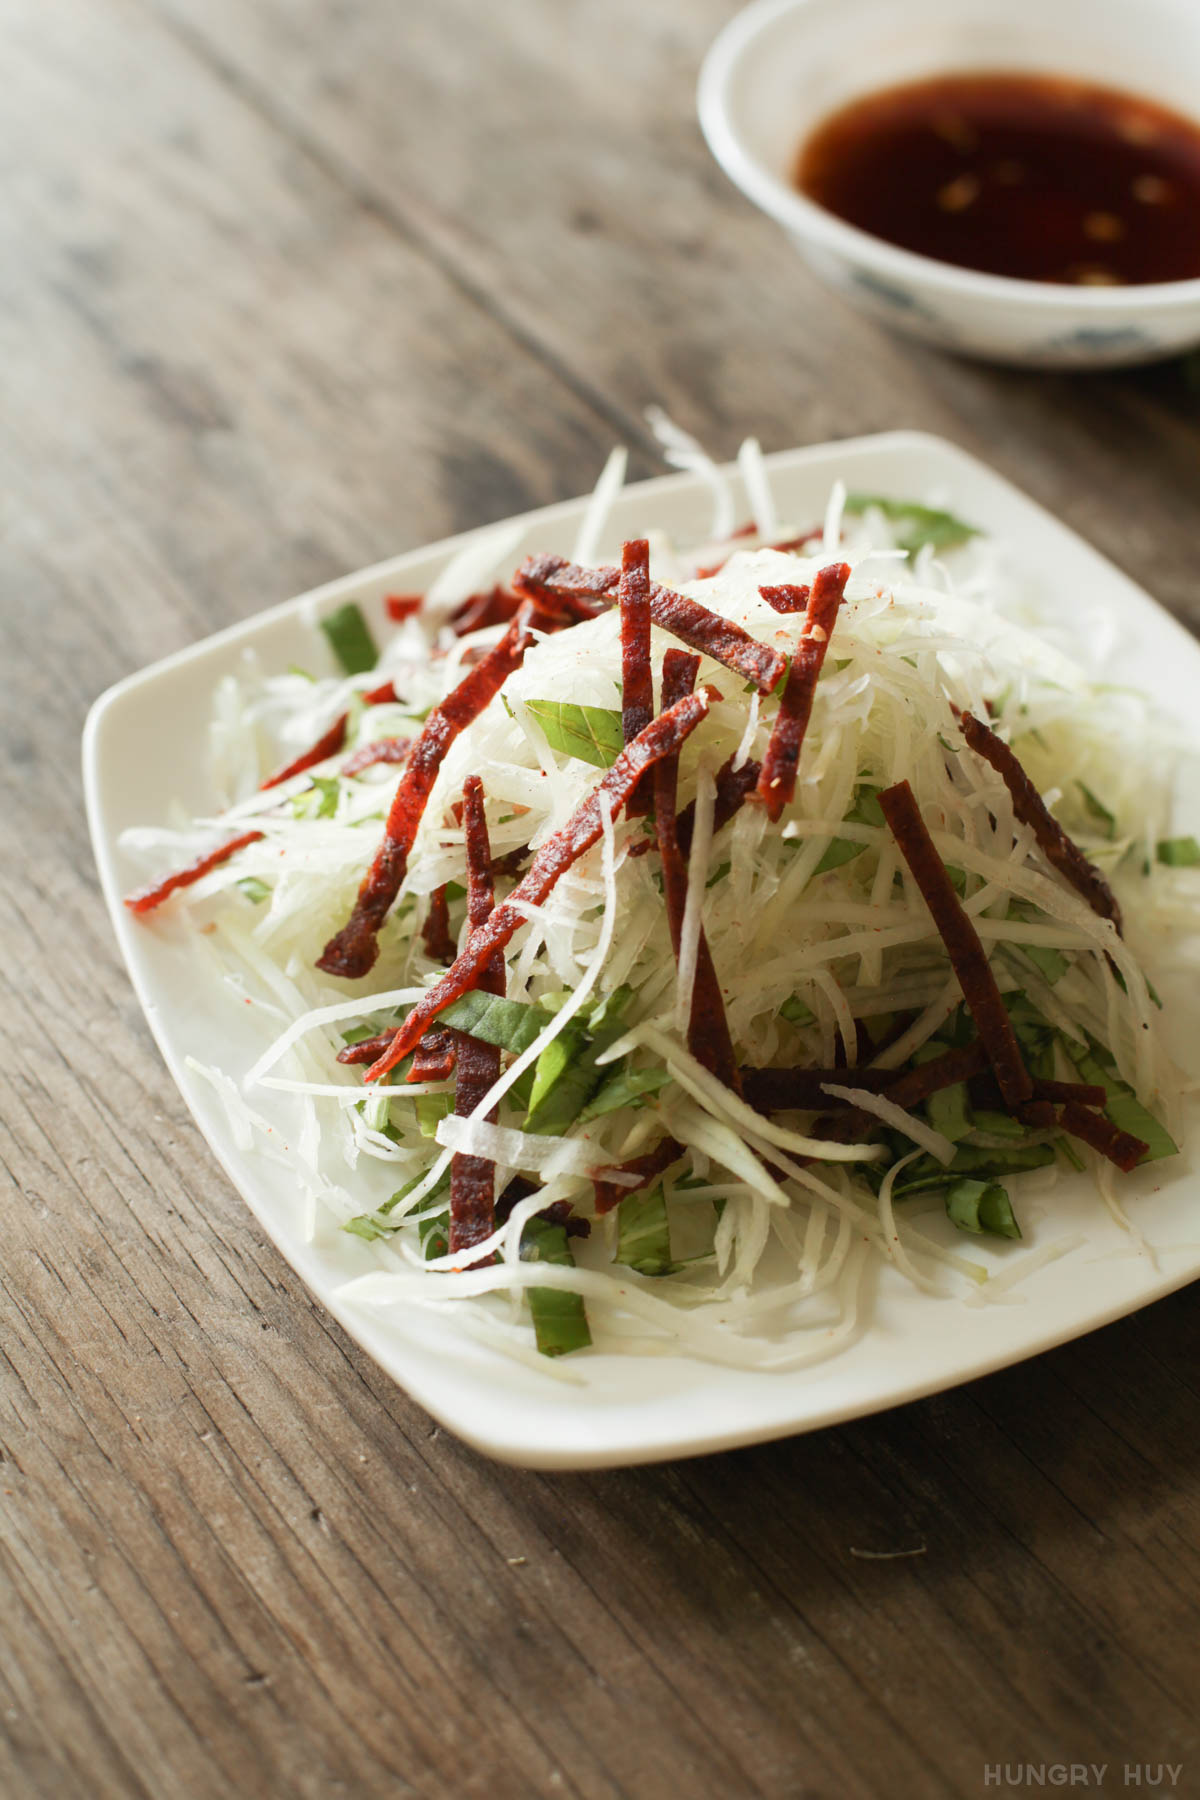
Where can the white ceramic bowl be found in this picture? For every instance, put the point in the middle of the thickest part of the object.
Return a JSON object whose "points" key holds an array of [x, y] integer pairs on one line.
{"points": [[780, 66]]}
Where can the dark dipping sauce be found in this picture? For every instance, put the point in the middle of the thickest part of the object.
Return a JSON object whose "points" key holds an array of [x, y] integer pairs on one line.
{"points": [[1030, 176]]}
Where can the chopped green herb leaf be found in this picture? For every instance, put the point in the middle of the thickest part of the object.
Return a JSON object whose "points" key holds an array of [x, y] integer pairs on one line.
{"points": [[591, 733], [559, 1320], [1123, 1106], [920, 525], [796, 1012], [350, 639], [1051, 964], [628, 1087], [840, 851], [1104, 820], [927, 1174], [998, 1124], [982, 1206], [256, 891], [434, 1233], [320, 801], [1179, 852], [370, 1225], [948, 1110], [431, 1110], [508, 1023], [643, 1233], [718, 874]]}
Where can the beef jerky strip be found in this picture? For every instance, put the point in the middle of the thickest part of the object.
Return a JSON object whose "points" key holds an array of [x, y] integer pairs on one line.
{"points": [[733, 788], [434, 1057], [1120, 1147], [1083, 1093], [326, 746], [584, 828], [368, 1050], [473, 1178], [959, 1064], [352, 952], [646, 1167], [686, 619], [708, 1030], [330, 744], [383, 750], [777, 778], [435, 932], [147, 898], [1059, 850], [788, 597], [559, 1212], [800, 1090], [637, 684], [967, 956]]}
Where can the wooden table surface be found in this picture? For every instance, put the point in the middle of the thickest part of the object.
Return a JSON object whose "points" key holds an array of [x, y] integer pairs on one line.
{"points": [[289, 285]]}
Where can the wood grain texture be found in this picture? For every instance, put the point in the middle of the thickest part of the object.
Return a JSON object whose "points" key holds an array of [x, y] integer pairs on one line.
{"points": [[288, 285]]}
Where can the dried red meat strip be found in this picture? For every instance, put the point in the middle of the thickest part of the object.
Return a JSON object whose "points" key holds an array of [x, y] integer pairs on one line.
{"points": [[383, 695], [433, 1058], [959, 1064], [435, 932], [1120, 1147], [647, 1168], [1037, 1114], [473, 1178], [734, 787], [326, 746], [967, 956], [1083, 1093], [584, 828], [352, 952], [147, 898], [686, 619], [708, 1029], [777, 779], [1059, 850], [368, 1050], [383, 750], [509, 865], [787, 597], [637, 686], [402, 606], [802, 1090]]}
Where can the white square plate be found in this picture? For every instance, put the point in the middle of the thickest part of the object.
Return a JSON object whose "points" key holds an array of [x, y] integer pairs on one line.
{"points": [[145, 745]]}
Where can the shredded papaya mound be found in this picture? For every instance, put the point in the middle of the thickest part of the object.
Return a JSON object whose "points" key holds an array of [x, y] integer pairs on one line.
{"points": [[585, 828], [147, 898], [967, 956], [473, 1178], [777, 778], [693, 624], [1059, 850], [708, 1028], [352, 952], [637, 685]]}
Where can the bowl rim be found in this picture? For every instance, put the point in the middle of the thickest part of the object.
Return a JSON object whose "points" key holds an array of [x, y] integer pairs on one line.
{"points": [[794, 210]]}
